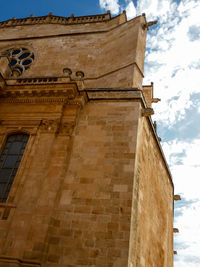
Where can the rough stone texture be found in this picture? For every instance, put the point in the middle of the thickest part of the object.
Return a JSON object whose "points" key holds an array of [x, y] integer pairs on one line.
{"points": [[93, 187], [97, 190], [148, 94], [152, 214], [95, 48]]}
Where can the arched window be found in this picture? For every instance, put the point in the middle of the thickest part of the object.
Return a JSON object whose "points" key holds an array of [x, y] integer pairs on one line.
{"points": [[9, 162]]}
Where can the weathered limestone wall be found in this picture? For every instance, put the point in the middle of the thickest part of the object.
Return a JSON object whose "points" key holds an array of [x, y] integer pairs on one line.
{"points": [[26, 216], [94, 208], [152, 218], [71, 199], [111, 54]]}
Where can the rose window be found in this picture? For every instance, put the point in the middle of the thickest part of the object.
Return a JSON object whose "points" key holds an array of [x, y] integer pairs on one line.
{"points": [[20, 59]]}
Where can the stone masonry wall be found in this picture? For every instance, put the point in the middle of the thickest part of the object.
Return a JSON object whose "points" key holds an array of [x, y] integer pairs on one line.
{"points": [[152, 217], [93, 213], [108, 56], [72, 196]]}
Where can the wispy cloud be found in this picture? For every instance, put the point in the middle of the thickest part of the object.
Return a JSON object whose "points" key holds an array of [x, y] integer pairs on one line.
{"points": [[130, 10], [187, 240], [112, 5], [173, 58], [183, 157]]}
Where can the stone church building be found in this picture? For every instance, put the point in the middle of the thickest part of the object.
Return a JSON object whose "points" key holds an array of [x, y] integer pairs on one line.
{"points": [[83, 179]]}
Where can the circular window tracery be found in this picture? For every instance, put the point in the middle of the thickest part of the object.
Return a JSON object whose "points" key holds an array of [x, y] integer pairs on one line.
{"points": [[20, 59]]}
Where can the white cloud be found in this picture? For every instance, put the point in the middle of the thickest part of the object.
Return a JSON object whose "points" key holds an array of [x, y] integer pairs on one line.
{"points": [[130, 10], [173, 58], [154, 8], [187, 240], [111, 5], [183, 157]]}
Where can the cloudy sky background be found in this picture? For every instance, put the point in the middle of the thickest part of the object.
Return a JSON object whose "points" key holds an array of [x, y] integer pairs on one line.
{"points": [[172, 63]]}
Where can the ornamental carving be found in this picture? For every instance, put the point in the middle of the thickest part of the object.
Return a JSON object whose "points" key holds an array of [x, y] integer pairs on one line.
{"points": [[20, 59], [55, 126], [16, 125], [51, 19], [49, 125]]}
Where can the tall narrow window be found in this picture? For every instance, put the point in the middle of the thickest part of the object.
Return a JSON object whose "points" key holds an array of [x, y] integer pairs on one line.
{"points": [[9, 162]]}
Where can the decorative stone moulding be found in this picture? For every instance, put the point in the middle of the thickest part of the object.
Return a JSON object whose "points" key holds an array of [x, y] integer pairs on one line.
{"points": [[55, 126], [80, 74], [113, 93], [37, 80], [67, 93], [20, 59], [67, 72], [15, 125], [50, 18], [49, 125]]}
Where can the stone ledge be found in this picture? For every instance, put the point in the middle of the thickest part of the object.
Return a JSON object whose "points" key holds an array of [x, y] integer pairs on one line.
{"points": [[51, 19], [113, 94], [12, 261]]}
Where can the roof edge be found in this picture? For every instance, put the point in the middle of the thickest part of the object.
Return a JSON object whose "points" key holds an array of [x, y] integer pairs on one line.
{"points": [[51, 19]]}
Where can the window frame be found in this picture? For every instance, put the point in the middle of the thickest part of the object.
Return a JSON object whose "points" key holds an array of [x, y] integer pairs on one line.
{"points": [[19, 158]]}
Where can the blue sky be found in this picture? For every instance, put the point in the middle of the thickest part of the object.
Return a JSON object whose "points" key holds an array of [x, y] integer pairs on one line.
{"points": [[173, 64]]}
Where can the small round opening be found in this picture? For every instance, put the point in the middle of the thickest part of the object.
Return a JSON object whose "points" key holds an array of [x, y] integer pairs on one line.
{"points": [[15, 52], [24, 55], [26, 62], [19, 69], [13, 62]]}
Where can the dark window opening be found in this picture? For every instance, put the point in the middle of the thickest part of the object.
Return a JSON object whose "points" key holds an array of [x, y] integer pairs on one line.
{"points": [[15, 52], [27, 62], [13, 62], [24, 55], [10, 159], [20, 69]]}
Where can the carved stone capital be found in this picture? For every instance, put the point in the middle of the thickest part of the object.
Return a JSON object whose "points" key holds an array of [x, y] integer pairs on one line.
{"points": [[50, 126]]}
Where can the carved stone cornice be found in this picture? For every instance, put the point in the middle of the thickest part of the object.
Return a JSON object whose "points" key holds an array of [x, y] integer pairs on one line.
{"points": [[14, 125], [50, 126], [68, 94], [12, 261], [113, 94], [40, 80], [51, 19], [55, 126], [15, 92], [31, 126]]}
